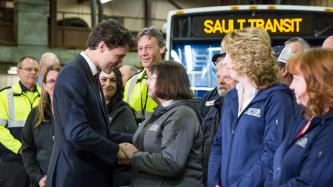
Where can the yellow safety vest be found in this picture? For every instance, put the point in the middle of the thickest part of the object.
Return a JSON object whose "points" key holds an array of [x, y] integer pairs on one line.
{"points": [[136, 94], [15, 106]]}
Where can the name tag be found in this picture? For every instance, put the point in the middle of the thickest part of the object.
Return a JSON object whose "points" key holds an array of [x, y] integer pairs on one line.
{"points": [[210, 103], [253, 112], [302, 142], [153, 128]]}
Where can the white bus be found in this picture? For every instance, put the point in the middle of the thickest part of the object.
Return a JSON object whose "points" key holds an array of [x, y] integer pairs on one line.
{"points": [[194, 35]]}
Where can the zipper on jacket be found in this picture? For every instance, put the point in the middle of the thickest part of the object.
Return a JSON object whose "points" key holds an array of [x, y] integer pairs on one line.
{"points": [[233, 130]]}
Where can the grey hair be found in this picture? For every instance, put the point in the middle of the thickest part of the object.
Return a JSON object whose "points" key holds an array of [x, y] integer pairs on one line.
{"points": [[305, 45]]}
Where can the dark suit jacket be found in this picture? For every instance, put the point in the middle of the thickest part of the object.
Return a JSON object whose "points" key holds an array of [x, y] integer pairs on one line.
{"points": [[83, 152]]}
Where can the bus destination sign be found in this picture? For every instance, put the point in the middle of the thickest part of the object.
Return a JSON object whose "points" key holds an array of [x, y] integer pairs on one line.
{"points": [[206, 26]]}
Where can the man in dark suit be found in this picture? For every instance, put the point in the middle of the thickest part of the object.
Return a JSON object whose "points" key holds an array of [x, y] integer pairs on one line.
{"points": [[84, 151]]}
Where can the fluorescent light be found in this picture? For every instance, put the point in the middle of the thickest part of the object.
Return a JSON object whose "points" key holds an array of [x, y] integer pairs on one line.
{"points": [[104, 1], [12, 70]]}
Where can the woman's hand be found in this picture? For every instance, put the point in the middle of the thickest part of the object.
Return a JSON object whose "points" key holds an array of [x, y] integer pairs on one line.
{"points": [[129, 149]]}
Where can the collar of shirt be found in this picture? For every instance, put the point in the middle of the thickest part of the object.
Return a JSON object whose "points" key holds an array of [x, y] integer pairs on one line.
{"points": [[253, 93], [92, 66], [25, 89]]}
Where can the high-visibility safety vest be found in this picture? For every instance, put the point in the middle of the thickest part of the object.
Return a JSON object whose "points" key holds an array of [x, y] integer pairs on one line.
{"points": [[136, 94], [15, 106]]}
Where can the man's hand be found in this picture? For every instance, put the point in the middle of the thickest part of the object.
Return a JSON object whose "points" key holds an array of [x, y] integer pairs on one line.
{"points": [[129, 149], [42, 181], [122, 158]]}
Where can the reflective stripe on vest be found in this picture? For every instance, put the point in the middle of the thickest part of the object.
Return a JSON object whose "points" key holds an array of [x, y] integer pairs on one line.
{"points": [[131, 87], [11, 111]]}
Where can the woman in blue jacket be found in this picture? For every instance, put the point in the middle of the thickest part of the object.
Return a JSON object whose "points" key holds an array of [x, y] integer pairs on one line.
{"points": [[305, 156], [254, 114]]}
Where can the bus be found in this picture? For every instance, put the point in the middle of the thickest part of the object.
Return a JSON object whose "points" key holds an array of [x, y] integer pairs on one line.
{"points": [[193, 36]]}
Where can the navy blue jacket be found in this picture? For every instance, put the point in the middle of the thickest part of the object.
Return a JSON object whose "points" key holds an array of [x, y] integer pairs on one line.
{"points": [[307, 160], [244, 146]]}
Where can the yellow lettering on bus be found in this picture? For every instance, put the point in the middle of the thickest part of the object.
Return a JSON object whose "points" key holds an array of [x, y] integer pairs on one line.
{"points": [[217, 26], [297, 21], [278, 25], [283, 25], [241, 23], [287, 25], [230, 26], [269, 26], [208, 26], [251, 21]]}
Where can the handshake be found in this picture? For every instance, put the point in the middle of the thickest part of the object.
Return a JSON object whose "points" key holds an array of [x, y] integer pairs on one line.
{"points": [[125, 153]]}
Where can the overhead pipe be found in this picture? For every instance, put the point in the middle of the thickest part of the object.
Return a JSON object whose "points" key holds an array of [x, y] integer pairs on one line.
{"points": [[146, 13], [100, 11], [93, 12]]}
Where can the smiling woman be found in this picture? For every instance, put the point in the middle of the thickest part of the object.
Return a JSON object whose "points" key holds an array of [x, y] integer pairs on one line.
{"points": [[121, 115]]}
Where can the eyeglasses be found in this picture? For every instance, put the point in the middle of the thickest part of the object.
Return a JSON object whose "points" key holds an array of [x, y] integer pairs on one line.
{"points": [[51, 81], [31, 69]]}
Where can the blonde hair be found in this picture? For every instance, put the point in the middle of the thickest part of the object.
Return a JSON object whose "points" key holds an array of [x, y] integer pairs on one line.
{"points": [[316, 66], [252, 55]]}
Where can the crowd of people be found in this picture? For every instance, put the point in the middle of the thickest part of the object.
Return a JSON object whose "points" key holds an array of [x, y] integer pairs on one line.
{"points": [[98, 122]]}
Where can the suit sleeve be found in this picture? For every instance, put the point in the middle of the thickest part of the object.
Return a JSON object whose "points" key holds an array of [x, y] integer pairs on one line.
{"points": [[176, 144], [71, 95], [214, 163], [278, 113], [29, 150]]}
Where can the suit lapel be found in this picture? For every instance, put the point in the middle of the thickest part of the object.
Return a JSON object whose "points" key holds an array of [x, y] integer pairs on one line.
{"points": [[98, 92]]}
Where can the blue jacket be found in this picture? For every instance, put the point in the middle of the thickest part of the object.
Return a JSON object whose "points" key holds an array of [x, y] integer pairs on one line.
{"points": [[307, 160], [244, 146]]}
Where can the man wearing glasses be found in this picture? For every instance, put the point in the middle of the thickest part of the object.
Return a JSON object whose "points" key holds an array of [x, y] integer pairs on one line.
{"points": [[16, 103]]}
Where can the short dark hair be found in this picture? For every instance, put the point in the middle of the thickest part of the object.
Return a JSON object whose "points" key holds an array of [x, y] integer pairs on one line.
{"points": [[112, 33], [172, 81], [19, 63], [118, 96]]}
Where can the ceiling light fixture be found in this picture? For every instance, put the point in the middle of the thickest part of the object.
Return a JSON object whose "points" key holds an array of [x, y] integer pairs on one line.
{"points": [[104, 1]]}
